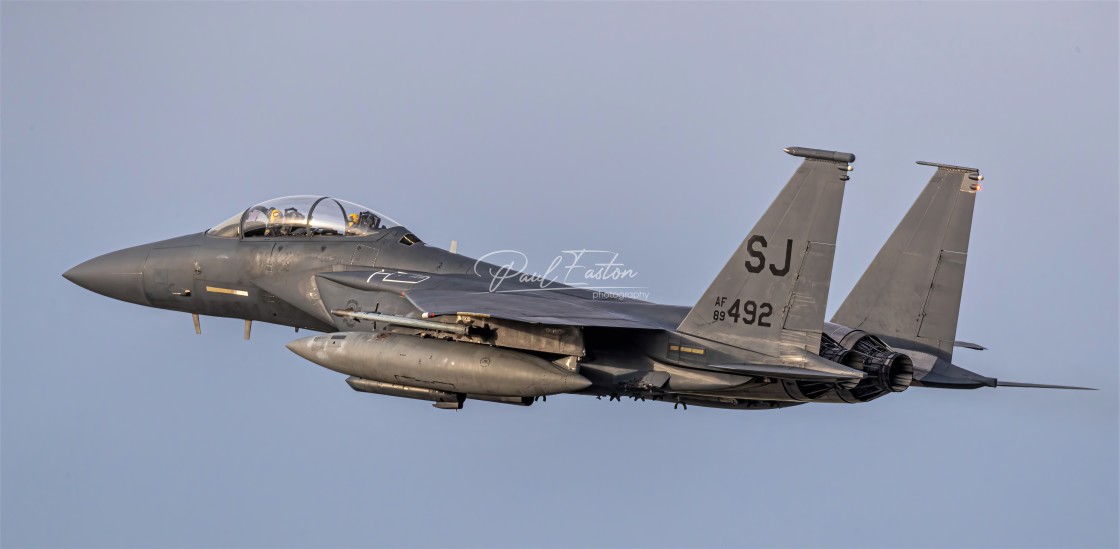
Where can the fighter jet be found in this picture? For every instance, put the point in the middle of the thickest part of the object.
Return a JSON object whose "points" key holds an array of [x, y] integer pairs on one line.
{"points": [[405, 319]]}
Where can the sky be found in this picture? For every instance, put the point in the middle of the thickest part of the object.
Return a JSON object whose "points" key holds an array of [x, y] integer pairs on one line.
{"points": [[651, 129]]}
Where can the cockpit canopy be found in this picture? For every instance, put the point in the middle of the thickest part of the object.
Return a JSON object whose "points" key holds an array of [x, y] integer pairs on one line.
{"points": [[303, 216]]}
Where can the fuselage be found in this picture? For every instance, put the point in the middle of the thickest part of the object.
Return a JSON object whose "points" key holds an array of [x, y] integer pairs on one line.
{"points": [[272, 279], [268, 265]]}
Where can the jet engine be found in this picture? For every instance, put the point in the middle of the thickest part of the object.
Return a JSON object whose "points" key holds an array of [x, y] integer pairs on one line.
{"points": [[888, 371]]}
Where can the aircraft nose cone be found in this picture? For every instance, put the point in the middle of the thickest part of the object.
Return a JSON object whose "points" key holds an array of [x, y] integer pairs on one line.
{"points": [[118, 275]]}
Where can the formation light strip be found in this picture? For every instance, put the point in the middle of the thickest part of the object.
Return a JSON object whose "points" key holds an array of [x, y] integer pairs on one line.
{"points": [[218, 290], [692, 350]]}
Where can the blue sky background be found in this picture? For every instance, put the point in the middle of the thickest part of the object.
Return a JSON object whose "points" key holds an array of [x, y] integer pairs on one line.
{"points": [[651, 129]]}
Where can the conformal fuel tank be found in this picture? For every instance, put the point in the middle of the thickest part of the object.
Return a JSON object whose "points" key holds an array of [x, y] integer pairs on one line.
{"points": [[430, 363]]}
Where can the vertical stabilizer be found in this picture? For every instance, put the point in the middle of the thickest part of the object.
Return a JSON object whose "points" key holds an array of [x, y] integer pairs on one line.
{"points": [[912, 290], [770, 298]]}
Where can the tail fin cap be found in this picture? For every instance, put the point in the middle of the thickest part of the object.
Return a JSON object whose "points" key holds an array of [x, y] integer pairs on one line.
{"points": [[948, 167], [820, 154]]}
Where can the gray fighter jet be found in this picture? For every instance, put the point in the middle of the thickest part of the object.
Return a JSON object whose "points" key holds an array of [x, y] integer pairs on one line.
{"points": [[405, 319]]}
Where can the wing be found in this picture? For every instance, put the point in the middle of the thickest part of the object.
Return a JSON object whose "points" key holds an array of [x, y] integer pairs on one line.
{"points": [[533, 308], [437, 295]]}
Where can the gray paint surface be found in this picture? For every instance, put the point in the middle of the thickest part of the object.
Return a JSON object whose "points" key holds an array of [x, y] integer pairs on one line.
{"points": [[642, 124], [913, 288], [805, 216]]}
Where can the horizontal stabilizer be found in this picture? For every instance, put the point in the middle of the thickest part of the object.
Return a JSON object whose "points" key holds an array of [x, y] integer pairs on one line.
{"points": [[967, 345], [945, 375], [1041, 386]]}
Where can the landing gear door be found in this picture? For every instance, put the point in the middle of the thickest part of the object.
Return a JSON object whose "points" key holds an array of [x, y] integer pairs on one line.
{"points": [[169, 276]]}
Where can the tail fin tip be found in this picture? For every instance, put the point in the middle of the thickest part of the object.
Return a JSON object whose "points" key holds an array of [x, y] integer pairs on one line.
{"points": [[820, 154], [948, 167]]}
